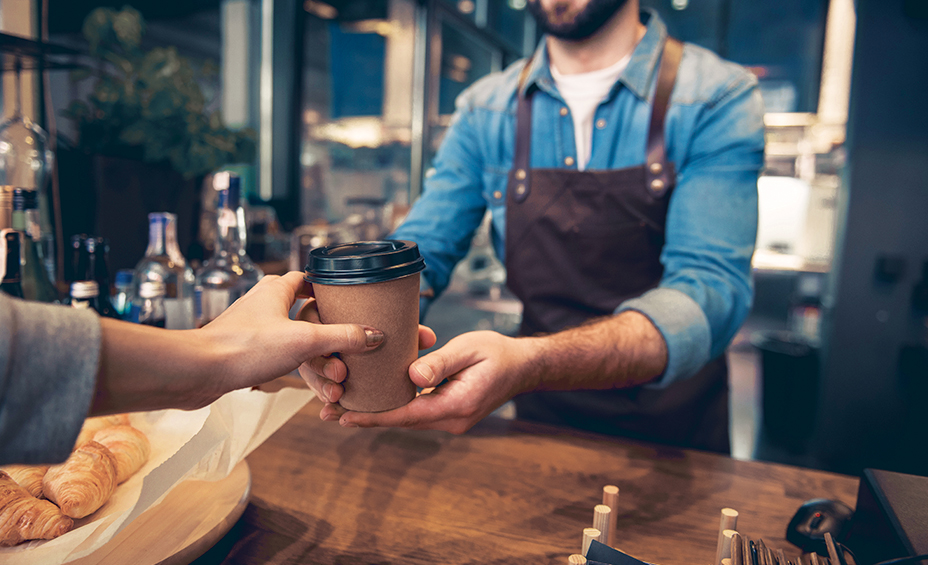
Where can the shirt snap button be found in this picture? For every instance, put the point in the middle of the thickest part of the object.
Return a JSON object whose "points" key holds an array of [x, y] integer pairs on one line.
{"points": [[520, 174], [564, 111], [657, 184], [657, 168], [520, 190], [600, 124], [497, 195], [569, 161]]}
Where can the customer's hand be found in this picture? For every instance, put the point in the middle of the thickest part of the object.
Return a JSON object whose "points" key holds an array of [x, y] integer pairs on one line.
{"points": [[325, 373], [483, 371], [252, 342]]}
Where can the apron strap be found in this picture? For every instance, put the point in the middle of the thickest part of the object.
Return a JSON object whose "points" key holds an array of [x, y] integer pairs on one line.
{"points": [[659, 171], [519, 176]]}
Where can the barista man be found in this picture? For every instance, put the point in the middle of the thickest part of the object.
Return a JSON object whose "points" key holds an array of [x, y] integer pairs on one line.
{"points": [[620, 168]]}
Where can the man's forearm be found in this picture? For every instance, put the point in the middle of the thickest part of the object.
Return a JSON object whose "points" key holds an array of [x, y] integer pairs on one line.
{"points": [[619, 351]]}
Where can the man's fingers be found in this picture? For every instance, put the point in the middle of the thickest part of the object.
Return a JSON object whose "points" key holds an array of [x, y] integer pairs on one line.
{"points": [[331, 368], [331, 412], [425, 412], [309, 312], [426, 337], [417, 414], [431, 369], [324, 388]]}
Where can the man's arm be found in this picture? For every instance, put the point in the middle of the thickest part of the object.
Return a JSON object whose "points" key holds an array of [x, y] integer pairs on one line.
{"points": [[705, 293], [485, 369], [443, 220], [666, 334]]}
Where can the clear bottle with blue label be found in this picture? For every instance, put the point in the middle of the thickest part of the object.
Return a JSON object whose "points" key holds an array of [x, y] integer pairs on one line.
{"points": [[164, 263], [122, 297], [229, 273], [148, 306]]}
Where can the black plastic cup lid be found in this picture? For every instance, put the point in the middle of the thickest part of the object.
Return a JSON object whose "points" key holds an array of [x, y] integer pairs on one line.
{"points": [[363, 262]]}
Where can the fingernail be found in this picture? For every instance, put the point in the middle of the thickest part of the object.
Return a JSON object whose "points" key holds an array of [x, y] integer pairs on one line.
{"points": [[374, 337], [327, 392], [329, 417], [348, 424], [328, 370], [426, 372]]}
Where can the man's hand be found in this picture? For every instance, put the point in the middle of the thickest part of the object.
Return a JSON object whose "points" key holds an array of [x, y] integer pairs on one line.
{"points": [[325, 373], [483, 370]]}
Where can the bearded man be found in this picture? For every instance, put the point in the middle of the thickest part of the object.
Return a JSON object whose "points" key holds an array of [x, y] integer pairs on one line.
{"points": [[620, 168]]}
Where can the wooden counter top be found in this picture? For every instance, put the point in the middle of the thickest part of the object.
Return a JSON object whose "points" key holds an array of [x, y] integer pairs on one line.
{"points": [[506, 492]]}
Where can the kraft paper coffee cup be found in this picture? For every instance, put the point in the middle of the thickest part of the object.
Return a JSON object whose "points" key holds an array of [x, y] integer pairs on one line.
{"points": [[376, 284]]}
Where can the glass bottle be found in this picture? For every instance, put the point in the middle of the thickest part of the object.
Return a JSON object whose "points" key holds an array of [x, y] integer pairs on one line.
{"points": [[98, 249], [40, 233], [90, 269], [10, 282], [229, 273], [76, 272], [91, 265], [35, 283], [25, 159], [164, 263], [86, 294], [122, 298], [147, 306]]}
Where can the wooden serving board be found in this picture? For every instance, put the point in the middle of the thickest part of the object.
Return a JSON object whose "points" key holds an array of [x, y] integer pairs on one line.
{"points": [[189, 521]]}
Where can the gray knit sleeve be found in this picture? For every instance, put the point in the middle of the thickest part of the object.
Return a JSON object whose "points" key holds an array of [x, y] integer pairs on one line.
{"points": [[48, 368]]}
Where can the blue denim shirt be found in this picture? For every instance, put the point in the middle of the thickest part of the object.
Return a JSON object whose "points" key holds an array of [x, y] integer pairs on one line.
{"points": [[714, 135]]}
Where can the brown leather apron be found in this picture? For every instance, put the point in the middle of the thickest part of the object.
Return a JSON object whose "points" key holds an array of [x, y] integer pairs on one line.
{"points": [[578, 244]]}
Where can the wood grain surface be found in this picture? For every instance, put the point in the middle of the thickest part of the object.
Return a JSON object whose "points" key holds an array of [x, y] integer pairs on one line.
{"points": [[191, 519], [506, 492]]}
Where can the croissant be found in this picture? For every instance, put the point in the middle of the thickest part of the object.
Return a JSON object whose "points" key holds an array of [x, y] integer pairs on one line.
{"points": [[97, 423], [24, 517], [27, 476], [128, 445], [84, 482]]}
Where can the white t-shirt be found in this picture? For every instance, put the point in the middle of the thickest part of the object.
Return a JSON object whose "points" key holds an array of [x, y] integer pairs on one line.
{"points": [[583, 92]]}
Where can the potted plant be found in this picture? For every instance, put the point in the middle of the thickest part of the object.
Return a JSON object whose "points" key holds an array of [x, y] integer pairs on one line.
{"points": [[146, 127]]}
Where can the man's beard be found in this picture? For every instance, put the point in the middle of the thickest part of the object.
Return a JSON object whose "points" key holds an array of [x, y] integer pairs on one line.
{"points": [[586, 23]]}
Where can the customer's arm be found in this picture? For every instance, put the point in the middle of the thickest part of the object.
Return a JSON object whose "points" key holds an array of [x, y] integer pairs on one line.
{"points": [[252, 342], [59, 365], [48, 366]]}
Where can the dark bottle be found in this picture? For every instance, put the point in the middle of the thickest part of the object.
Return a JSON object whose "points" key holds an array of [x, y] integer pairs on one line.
{"points": [[98, 249], [90, 266], [11, 281], [148, 306], [35, 282], [86, 294]]}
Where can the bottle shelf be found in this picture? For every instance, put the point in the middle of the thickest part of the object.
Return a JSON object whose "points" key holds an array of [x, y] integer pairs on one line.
{"points": [[34, 55]]}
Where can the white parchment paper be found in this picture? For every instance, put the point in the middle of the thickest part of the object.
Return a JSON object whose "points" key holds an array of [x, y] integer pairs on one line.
{"points": [[204, 445]]}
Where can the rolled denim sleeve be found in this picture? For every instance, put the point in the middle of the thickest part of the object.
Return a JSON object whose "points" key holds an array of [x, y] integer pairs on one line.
{"points": [[443, 220], [48, 369], [706, 290]]}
